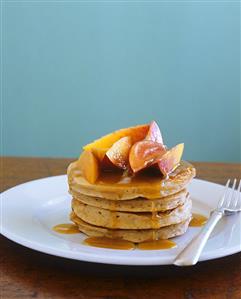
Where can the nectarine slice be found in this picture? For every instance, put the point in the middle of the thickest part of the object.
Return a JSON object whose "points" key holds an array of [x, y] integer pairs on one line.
{"points": [[119, 152], [89, 165], [145, 153], [154, 133], [170, 160], [101, 146]]}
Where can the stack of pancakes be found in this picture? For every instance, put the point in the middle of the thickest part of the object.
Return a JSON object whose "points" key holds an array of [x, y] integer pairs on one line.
{"points": [[133, 208]]}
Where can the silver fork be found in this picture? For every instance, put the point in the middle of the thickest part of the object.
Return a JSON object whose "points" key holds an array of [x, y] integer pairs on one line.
{"points": [[229, 204]]}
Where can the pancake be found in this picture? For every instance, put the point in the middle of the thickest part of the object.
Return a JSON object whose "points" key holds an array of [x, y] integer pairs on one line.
{"points": [[136, 236], [125, 220], [116, 186], [135, 205]]}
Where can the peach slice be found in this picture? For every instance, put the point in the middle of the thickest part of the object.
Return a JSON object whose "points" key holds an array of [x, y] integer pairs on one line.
{"points": [[154, 133], [118, 154], [170, 160], [98, 152], [145, 153], [101, 146], [89, 166]]}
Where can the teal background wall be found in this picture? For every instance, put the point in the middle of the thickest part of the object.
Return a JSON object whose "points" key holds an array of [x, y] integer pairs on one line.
{"points": [[75, 71]]}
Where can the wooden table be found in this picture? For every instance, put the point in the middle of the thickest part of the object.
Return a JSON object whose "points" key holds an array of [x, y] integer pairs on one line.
{"points": [[29, 274]]}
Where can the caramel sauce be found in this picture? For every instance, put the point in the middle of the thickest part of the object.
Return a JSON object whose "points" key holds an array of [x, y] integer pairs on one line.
{"points": [[66, 228], [154, 220], [103, 242], [157, 245], [148, 183], [118, 180], [113, 205], [109, 243], [198, 220]]}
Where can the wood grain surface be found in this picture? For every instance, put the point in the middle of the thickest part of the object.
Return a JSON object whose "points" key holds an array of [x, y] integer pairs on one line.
{"points": [[25, 273]]}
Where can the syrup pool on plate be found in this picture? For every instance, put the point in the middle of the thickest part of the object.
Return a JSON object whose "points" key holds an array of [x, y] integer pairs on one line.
{"points": [[66, 228], [198, 220], [103, 242]]}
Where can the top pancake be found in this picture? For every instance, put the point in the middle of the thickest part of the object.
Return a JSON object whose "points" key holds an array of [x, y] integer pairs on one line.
{"points": [[116, 186]]}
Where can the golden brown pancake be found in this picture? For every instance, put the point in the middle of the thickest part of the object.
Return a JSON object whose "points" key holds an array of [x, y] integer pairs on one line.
{"points": [[136, 236], [125, 220], [116, 186], [135, 205]]}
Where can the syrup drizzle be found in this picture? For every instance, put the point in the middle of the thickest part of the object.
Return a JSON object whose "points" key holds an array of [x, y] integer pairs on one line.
{"points": [[154, 220]]}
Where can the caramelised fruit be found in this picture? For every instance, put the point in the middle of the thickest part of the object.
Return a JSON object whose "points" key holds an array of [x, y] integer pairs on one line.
{"points": [[171, 159], [101, 146], [107, 165], [89, 165], [154, 133], [118, 154], [145, 153]]}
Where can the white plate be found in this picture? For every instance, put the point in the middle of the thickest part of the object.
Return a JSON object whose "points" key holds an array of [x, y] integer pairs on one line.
{"points": [[30, 210]]}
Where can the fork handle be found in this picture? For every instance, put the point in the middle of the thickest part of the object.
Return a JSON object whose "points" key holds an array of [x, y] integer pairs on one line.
{"points": [[191, 253]]}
